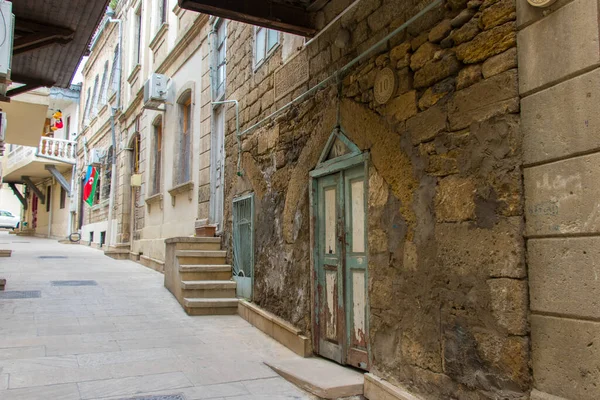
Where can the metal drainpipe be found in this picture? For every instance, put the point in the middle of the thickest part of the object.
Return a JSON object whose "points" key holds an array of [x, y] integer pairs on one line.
{"points": [[72, 195], [113, 184], [237, 130], [340, 72]]}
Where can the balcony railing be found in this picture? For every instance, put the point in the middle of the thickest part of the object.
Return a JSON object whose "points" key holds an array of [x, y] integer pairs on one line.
{"points": [[58, 149], [18, 154]]}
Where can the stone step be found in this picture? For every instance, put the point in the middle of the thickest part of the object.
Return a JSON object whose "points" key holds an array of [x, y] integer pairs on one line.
{"points": [[201, 257], [321, 377], [224, 306], [192, 272], [200, 243], [208, 289], [207, 285]]}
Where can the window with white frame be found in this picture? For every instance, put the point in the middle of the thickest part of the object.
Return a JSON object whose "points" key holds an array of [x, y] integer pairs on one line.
{"points": [[265, 41], [221, 58]]}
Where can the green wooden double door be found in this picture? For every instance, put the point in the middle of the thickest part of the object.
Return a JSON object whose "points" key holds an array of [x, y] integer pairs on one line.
{"points": [[341, 306]]}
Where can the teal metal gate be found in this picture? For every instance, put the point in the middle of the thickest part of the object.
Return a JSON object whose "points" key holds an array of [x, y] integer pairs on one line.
{"points": [[243, 245]]}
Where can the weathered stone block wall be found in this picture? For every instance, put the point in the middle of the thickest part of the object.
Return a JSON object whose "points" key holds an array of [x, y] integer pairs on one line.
{"points": [[447, 281], [560, 143]]}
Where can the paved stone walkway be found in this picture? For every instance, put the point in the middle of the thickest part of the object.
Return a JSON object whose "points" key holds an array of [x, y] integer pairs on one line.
{"points": [[125, 337]]}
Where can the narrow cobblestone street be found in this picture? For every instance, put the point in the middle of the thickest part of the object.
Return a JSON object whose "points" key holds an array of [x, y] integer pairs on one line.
{"points": [[120, 335]]}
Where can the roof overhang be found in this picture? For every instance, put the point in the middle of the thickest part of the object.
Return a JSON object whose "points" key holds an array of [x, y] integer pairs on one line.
{"points": [[51, 37], [292, 16]]}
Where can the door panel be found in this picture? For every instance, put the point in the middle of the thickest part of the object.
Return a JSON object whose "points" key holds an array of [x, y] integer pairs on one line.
{"points": [[329, 271], [356, 267], [341, 263]]}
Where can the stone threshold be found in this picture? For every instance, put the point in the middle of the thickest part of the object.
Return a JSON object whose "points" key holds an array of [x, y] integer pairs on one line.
{"points": [[377, 388], [152, 263], [325, 379], [538, 395], [280, 330]]}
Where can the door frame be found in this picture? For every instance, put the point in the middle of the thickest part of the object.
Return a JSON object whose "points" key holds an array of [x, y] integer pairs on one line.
{"points": [[252, 239], [324, 168]]}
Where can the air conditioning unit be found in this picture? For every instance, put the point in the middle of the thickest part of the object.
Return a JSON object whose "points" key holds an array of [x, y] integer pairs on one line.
{"points": [[155, 91], [96, 156], [6, 46]]}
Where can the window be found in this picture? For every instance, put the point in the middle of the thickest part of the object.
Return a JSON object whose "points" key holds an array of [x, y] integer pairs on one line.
{"points": [[63, 197], [103, 89], [68, 128], [48, 197], [137, 36], [221, 60], [135, 161], [107, 174], [162, 12], [98, 187], [157, 156], [86, 110], [265, 41], [113, 82], [94, 101], [185, 141]]}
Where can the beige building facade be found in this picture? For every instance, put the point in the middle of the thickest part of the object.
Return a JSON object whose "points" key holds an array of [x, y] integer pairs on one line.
{"points": [[163, 158]]}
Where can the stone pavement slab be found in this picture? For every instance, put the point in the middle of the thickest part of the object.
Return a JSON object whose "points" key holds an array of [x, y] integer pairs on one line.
{"points": [[323, 378], [125, 337]]}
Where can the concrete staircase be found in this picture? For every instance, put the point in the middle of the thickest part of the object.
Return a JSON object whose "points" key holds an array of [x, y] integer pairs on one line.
{"points": [[199, 277]]}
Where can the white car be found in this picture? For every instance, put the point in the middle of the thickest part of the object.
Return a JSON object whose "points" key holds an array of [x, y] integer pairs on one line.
{"points": [[8, 220]]}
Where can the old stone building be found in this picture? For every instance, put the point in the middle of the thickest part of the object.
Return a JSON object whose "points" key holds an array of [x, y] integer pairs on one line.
{"points": [[384, 188], [407, 190]]}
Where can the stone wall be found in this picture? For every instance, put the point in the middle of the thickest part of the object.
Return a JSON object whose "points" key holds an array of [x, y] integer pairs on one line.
{"points": [[560, 152], [447, 279]]}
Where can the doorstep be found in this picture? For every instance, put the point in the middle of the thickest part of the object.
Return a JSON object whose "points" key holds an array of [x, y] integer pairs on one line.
{"points": [[320, 377]]}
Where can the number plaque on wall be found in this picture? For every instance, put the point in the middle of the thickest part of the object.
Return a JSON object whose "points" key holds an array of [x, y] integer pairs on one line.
{"points": [[385, 85]]}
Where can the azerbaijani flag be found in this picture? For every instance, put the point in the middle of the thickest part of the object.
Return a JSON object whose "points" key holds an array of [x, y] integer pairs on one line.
{"points": [[89, 188]]}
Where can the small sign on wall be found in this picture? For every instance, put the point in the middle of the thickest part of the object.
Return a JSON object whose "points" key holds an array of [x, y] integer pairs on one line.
{"points": [[386, 83], [136, 180], [541, 3]]}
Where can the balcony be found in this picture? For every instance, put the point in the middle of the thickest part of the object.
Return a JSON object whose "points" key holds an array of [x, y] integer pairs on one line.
{"points": [[32, 161], [58, 149]]}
